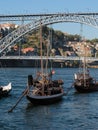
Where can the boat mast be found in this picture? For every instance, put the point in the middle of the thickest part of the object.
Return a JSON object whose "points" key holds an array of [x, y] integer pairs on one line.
{"points": [[84, 64], [50, 32], [47, 46], [42, 71], [41, 49]]}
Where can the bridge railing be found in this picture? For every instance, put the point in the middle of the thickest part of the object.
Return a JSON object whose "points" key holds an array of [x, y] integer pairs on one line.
{"points": [[88, 59]]}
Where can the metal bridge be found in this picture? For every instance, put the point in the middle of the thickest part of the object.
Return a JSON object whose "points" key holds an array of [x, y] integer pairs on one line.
{"points": [[30, 17], [57, 58], [90, 19]]}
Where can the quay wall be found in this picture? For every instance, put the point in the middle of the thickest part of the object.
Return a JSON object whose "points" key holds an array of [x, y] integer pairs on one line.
{"points": [[35, 63]]}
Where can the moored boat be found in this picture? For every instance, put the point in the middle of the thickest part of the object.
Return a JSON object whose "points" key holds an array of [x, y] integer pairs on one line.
{"points": [[5, 90], [45, 92], [43, 89], [84, 82]]}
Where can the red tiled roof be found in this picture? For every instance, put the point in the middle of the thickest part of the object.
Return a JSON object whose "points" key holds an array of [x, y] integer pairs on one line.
{"points": [[27, 49]]}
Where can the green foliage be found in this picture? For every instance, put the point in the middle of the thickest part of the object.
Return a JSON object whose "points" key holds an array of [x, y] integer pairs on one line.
{"points": [[95, 40], [75, 37], [32, 39]]}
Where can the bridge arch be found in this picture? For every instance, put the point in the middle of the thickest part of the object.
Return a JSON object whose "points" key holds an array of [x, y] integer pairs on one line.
{"points": [[45, 20]]}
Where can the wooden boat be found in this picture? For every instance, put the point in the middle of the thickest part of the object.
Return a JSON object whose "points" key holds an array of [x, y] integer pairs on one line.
{"points": [[42, 89], [39, 93], [84, 82], [5, 90]]}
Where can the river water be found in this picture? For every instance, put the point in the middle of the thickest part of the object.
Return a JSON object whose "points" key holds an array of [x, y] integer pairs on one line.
{"points": [[75, 111]]}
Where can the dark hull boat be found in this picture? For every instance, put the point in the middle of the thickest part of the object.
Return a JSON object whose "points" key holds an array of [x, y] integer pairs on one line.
{"points": [[44, 100], [83, 89], [85, 83], [43, 89], [47, 93], [5, 90]]}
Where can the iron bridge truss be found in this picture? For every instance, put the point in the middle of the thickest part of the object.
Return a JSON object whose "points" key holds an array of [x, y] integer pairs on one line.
{"points": [[36, 20]]}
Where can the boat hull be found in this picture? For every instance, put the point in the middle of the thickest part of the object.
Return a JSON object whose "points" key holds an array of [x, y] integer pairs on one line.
{"points": [[5, 90], [83, 89], [44, 100], [4, 93]]}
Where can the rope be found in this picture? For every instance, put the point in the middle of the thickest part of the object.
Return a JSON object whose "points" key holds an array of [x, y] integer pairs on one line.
{"points": [[68, 89]]}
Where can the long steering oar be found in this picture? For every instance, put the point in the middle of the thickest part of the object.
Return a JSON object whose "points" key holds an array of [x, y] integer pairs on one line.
{"points": [[19, 100], [68, 89], [30, 83]]}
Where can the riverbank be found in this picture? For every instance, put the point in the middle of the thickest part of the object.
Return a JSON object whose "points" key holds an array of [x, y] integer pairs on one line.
{"points": [[37, 63]]}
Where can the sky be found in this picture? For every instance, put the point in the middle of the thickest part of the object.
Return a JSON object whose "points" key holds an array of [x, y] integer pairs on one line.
{"points": [[55, 6]]}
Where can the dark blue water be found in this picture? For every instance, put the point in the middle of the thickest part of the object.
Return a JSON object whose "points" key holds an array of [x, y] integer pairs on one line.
{"points": [[74, 112]]}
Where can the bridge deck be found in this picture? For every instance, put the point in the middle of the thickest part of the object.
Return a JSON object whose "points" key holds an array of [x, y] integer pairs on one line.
{"points": [[50, 58]]}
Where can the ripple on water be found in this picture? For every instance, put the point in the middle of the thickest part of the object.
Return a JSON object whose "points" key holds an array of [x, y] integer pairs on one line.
{"points": [[74, 112]]}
